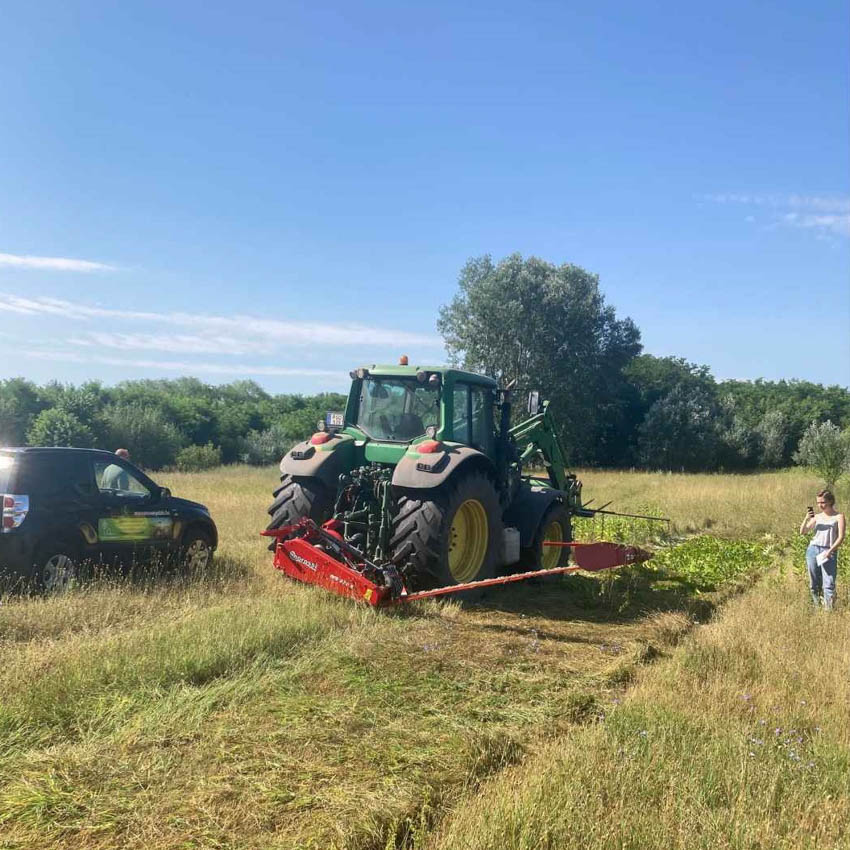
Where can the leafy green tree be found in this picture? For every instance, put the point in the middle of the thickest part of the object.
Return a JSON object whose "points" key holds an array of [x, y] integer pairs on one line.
{"points": [[680, 431], [153, 441], [58, 427], [774, 435], [548, 327], [825, 449], [20, 403]]}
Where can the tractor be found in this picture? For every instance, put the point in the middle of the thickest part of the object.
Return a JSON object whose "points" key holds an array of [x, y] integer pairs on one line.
{"points": [[424, 472]]}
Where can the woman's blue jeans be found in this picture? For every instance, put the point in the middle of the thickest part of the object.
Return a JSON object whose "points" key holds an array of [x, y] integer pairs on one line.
{"points": [[822, 577]]}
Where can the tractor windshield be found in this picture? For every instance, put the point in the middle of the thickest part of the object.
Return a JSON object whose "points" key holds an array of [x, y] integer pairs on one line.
{"points": [[396, 409]]}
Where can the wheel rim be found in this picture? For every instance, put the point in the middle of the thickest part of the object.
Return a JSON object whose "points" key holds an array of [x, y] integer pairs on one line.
{"points": [[551, 555], [58, 574], [468, 541], [197, 555]]}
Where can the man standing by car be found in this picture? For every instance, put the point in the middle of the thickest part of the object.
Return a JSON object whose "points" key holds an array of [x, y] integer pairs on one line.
{"points": [[115, 477]]}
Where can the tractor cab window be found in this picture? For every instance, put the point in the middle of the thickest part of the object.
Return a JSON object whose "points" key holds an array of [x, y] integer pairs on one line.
{"points": [[460, 417], [396, 409], [473, 416], [482, 418]]}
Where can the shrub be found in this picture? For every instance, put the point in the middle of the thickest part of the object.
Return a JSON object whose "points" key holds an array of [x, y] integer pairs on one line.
{"points": [[198, 458], [57, 427], [825, 449], [264, 447], [153, 441]]}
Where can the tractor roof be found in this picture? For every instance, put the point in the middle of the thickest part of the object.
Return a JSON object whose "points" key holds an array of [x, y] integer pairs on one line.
{"points": [[447, 371]]}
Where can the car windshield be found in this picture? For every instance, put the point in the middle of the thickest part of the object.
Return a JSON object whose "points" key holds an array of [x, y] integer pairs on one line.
{"points": [[396, 409]]}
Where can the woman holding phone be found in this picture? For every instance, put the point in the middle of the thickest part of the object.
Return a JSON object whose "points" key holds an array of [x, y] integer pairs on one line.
{"points": [[829, 527]]}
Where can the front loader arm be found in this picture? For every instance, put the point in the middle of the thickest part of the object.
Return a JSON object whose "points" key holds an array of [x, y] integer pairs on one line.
{"points": [[537, 435]]}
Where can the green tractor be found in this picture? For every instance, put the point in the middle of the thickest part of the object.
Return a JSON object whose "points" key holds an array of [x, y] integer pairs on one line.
{"points": [[424, 470]]}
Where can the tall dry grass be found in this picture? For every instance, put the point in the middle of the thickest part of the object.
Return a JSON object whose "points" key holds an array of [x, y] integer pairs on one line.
{"points": [[235, 709], [740, 740], [733, 506]]}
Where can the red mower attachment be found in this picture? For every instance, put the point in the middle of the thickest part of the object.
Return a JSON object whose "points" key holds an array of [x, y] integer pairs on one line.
{"points": [[320, 556]]}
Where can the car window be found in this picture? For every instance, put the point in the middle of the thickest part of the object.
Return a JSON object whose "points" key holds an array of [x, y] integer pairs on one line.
{"points": [[7, 469], [52, 473], [117, 479]]}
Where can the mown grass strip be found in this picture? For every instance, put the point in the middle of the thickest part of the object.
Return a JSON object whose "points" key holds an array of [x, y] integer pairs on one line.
{"points": [[740, 740]]}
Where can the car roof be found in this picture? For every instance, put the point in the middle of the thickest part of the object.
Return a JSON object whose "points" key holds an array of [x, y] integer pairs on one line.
{"points": [[41, 449]]}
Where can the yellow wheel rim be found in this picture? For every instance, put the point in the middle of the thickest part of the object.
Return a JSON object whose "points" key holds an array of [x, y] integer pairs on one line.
{"points": [[551, 555], [468, 541]]}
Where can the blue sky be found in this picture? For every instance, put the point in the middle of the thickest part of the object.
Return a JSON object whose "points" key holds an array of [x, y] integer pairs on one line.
{"points": [[282, 191]]}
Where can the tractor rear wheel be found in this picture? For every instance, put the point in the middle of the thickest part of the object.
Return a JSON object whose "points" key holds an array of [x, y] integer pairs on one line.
{"points": [[297, 498], [449, 536], [555, 527]]}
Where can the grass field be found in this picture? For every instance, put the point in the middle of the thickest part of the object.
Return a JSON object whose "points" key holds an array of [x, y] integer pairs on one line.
{"points": [[235, 709]]}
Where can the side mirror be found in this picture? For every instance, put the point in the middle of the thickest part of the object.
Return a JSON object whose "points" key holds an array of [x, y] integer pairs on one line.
{"points": [[534, 402], [164, 493]]}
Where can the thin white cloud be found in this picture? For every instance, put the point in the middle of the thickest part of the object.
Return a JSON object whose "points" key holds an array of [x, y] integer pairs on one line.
{"points": [[61, 264], [820, 203], [179, 343], [837, 224], [242, 327], [825, 215], [187, 367]]}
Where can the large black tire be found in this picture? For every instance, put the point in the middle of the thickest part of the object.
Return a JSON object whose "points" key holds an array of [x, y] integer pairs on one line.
{"points": [[297, 498], [556, 525], [452, 535]]}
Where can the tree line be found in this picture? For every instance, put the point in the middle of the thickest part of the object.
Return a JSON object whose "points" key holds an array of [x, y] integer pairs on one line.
{"points": [[546, 327], [181, 422], [549, 327]]}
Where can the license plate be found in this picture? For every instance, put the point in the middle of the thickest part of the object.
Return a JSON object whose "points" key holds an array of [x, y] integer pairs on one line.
{"points": [[335, 420]]}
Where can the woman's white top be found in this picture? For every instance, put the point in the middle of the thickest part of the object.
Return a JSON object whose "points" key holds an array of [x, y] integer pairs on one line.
{"points": [[826, 530]]}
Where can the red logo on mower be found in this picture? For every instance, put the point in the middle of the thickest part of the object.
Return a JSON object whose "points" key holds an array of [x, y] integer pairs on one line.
{"points": [[303, 561]]}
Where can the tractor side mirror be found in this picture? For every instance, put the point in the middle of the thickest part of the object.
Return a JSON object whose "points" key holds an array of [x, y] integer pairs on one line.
{"points": [[534, 402]]}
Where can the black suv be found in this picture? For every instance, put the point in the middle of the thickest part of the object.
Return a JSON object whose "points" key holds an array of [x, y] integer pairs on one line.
{"points": [[65, 507]]}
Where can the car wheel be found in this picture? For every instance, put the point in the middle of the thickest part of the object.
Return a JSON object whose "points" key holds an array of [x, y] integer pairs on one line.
{"points": [[56, 569], [196, 551]]}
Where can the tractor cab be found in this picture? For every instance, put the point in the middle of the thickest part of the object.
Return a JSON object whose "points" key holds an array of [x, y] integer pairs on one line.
{"points": [[406, 404]]}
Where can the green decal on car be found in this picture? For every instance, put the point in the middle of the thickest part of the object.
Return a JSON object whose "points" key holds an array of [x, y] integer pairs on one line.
{"points": [[129, 529]]}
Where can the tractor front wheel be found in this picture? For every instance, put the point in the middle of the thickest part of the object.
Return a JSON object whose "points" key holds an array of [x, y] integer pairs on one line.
{"points": [[555, 527], [449, 536]]}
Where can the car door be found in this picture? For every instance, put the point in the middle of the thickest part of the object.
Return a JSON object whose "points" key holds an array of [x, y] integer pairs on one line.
{"points": [[133, 522], [64, 502]]}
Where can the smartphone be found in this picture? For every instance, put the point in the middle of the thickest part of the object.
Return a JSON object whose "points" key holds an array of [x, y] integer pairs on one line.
{"points": [[811, 510]]}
